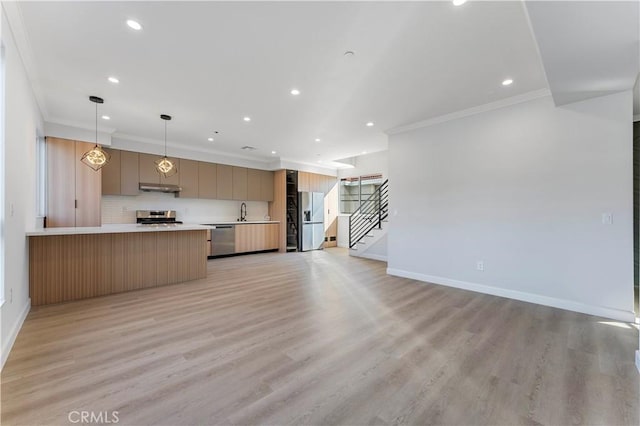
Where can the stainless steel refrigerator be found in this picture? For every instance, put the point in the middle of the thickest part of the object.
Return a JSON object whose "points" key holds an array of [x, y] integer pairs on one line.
{"points": [[311, 208]]}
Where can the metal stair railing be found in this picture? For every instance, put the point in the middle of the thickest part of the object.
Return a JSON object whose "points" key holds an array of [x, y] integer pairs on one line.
{"points": [[369, 215]]}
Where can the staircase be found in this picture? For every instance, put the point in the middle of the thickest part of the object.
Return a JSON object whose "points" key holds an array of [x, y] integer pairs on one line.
{"points": [[368, 226]]}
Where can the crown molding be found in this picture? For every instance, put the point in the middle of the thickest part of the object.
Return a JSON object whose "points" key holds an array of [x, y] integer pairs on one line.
{"points": [[491, 106]]}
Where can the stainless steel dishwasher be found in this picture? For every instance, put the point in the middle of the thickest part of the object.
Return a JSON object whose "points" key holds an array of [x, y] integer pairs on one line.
{"points": [[223, 239]]}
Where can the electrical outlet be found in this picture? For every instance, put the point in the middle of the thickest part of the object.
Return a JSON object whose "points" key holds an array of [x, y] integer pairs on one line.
{"points": [[11, 209], [480, 265], [10, 295]]}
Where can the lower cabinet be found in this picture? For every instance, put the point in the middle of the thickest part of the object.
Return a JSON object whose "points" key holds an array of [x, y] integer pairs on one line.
{"points": [[257, 237]]}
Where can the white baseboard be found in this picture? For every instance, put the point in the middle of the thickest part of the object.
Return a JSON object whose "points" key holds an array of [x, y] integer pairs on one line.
{"points": [[638, 360], [569, 305], [11, 338], [379, 257]]}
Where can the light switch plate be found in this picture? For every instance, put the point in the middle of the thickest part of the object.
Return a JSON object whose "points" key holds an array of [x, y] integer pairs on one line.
{"points": [[607, 218]]}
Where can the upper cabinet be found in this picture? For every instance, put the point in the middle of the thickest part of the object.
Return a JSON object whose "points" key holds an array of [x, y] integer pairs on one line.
{"points": [[259, 185], [111, 174], [266, 186], [73, 189], [207, 180], [240, 183], [129, 173], [147, 169], [311, 182], [198, 179], [303, 182], [253, 184], [120, 175], [188, 177], [224, 175]]}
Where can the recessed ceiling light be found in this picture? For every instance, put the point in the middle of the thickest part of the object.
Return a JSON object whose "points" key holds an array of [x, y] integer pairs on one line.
{"points": [[134, 24], [247, 118], [210, 139], [273, 152], [295, 92], [507, 82], [370, 124], [113, 80], [318, 139], [364, 152], [106, 117], [319, 161], [459, 2], [349, 53]]}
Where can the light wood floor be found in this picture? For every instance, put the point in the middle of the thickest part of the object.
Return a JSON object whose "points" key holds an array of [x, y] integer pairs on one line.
{"points": [[318, 338]]}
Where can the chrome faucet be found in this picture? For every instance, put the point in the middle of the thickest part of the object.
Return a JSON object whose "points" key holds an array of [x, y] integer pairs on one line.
{"points": [[243, 212]]}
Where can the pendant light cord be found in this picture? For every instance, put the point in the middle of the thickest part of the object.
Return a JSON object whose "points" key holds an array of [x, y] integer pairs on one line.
{"points": [[96, 124], [165, 138]]}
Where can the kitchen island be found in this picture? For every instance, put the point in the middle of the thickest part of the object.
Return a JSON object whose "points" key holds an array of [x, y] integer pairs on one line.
{"points": [[77, 263]]}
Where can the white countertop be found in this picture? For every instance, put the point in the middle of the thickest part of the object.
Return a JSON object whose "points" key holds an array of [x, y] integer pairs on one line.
{"points": [[114, 229], [248, 222]]}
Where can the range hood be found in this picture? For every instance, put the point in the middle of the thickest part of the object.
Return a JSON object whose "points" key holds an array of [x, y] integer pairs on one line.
{"points": [[160, 187]]}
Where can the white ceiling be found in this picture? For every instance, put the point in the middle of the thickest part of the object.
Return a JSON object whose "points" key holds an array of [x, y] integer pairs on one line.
{"points": [[210, 63], [589, 48]]}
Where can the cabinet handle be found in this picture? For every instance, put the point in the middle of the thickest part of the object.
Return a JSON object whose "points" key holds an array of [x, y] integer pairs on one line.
{"points": [[75, 203]]}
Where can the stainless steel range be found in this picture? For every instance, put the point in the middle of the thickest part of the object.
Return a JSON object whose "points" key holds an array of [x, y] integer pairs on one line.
{"points": [[156, 217]]}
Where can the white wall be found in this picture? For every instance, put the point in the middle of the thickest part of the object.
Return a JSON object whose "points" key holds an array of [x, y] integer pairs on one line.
{"points": [[23, 123], [523, 189], [122, 209], [376, 162]]}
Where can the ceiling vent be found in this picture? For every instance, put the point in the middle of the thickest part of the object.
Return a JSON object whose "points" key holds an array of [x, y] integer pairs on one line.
{"points": [[249, 148]]}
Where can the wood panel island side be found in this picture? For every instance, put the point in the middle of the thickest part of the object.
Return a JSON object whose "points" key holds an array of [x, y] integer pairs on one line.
{"points": [[77, 263]]}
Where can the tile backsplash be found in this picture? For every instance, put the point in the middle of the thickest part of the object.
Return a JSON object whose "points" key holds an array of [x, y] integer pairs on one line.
{"points": [[122, 209]]}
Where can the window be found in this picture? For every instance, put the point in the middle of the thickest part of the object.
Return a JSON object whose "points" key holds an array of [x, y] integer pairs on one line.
{"points": [[355, 190]]}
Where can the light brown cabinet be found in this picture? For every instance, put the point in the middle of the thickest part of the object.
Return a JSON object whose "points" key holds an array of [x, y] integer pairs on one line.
{"points": [[198, 179], [239, 184], [266, 186], [147, 169], [224, 182], [73, 189], [312, 182], [259, 185], [111, 174], [120, 175], [257, 237], [254, 185], [304, 182], [207, 180], [188, 177], [129, 174]]}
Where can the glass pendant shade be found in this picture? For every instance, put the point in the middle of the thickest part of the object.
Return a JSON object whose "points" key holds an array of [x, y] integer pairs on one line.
{"points": [[96, 157], [164, 166]]}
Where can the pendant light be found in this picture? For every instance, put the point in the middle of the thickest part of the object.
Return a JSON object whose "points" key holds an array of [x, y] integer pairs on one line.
{"points": [[164, 166], [96, 157]]}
